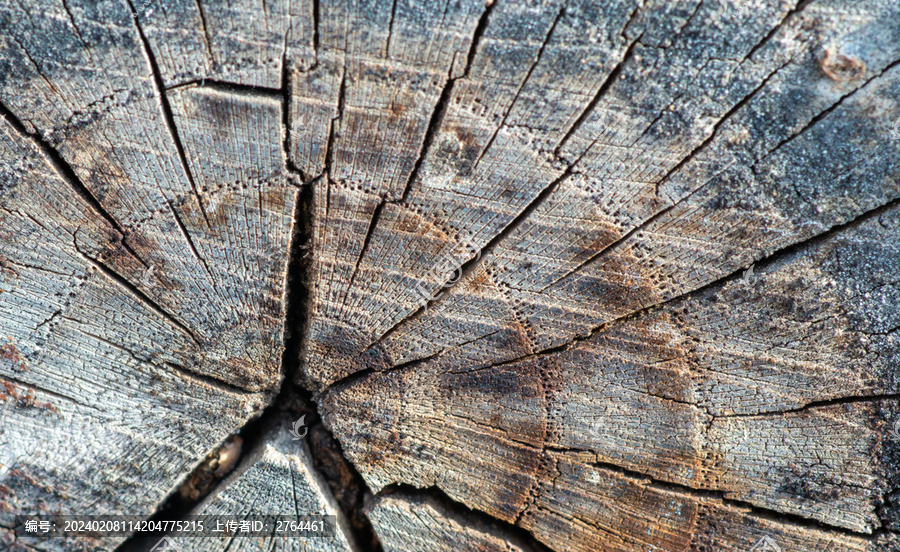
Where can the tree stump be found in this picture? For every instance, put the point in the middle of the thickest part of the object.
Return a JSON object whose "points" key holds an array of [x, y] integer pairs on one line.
{"points": [[540, 275]]}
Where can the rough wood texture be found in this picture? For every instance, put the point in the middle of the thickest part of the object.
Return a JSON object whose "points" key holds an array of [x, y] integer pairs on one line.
{"points": [[277, 479], [144, 241], [613, 275], [699, 393], [409, 523]]}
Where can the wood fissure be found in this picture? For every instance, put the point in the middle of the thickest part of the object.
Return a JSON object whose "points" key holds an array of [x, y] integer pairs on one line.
{"points": [[801, 5], [512, 103], [204, 28], [440, 108], [137, 293], [513, 534], [5, 380], [723, 498], [285, 95], [286, 406], [469, 266], [68, 175], [230, 87], [831, 109], [215, 382], [601, 92], [190, 242], [542, 275], [761, 263], [166, 110]]}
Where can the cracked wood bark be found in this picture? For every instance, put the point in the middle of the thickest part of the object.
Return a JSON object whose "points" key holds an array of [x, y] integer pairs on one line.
{"points": [[529, 292]]}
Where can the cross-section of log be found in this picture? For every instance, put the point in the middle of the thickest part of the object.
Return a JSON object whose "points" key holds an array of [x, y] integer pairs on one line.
{"points": [[194, 183], [753, 186], [557, 274], [744, 390]]}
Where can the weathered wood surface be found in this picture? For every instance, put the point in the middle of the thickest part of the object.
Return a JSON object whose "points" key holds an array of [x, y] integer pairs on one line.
{"points": [[618, 275], [143, 277], [411, 523], [277, 479], [763, 388]]}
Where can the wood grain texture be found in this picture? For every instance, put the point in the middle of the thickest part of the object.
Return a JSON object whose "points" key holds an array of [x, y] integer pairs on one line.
{"points": [[144, 253], [178, 240], [558, 274], [753, 188], [238, 42], [409, 523], [277, 479], [105, 369], [698, 393]]}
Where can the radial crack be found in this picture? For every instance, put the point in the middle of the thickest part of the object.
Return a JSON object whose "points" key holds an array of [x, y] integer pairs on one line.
{"points": [[166, 110], [285, 97], [190, 242], [466, 516], [601, 92], [782, 518], [440, 108], [68, 175], [801, 5], [522, 85], [761, 263], [387, 46], [598, 256], [486, 251], [131, 288], [853, 399], [205, 29], [75, 28]]}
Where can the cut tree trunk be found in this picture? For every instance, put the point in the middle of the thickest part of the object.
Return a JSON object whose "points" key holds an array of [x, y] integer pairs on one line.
{"points": [[543, 275]]}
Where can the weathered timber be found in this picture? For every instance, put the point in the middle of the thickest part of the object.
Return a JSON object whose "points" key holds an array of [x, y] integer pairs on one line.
{"points": [[698, 393], [416, 523], [278, 479], [144, 241], [558, 274]]}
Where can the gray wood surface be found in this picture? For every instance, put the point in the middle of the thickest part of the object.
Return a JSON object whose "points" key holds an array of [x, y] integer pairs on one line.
{"points": [[410, 523], [278, 479], [558, 274]]}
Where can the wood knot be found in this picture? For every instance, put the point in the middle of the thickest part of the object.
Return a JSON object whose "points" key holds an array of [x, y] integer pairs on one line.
{"points": [[841, 67]]}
